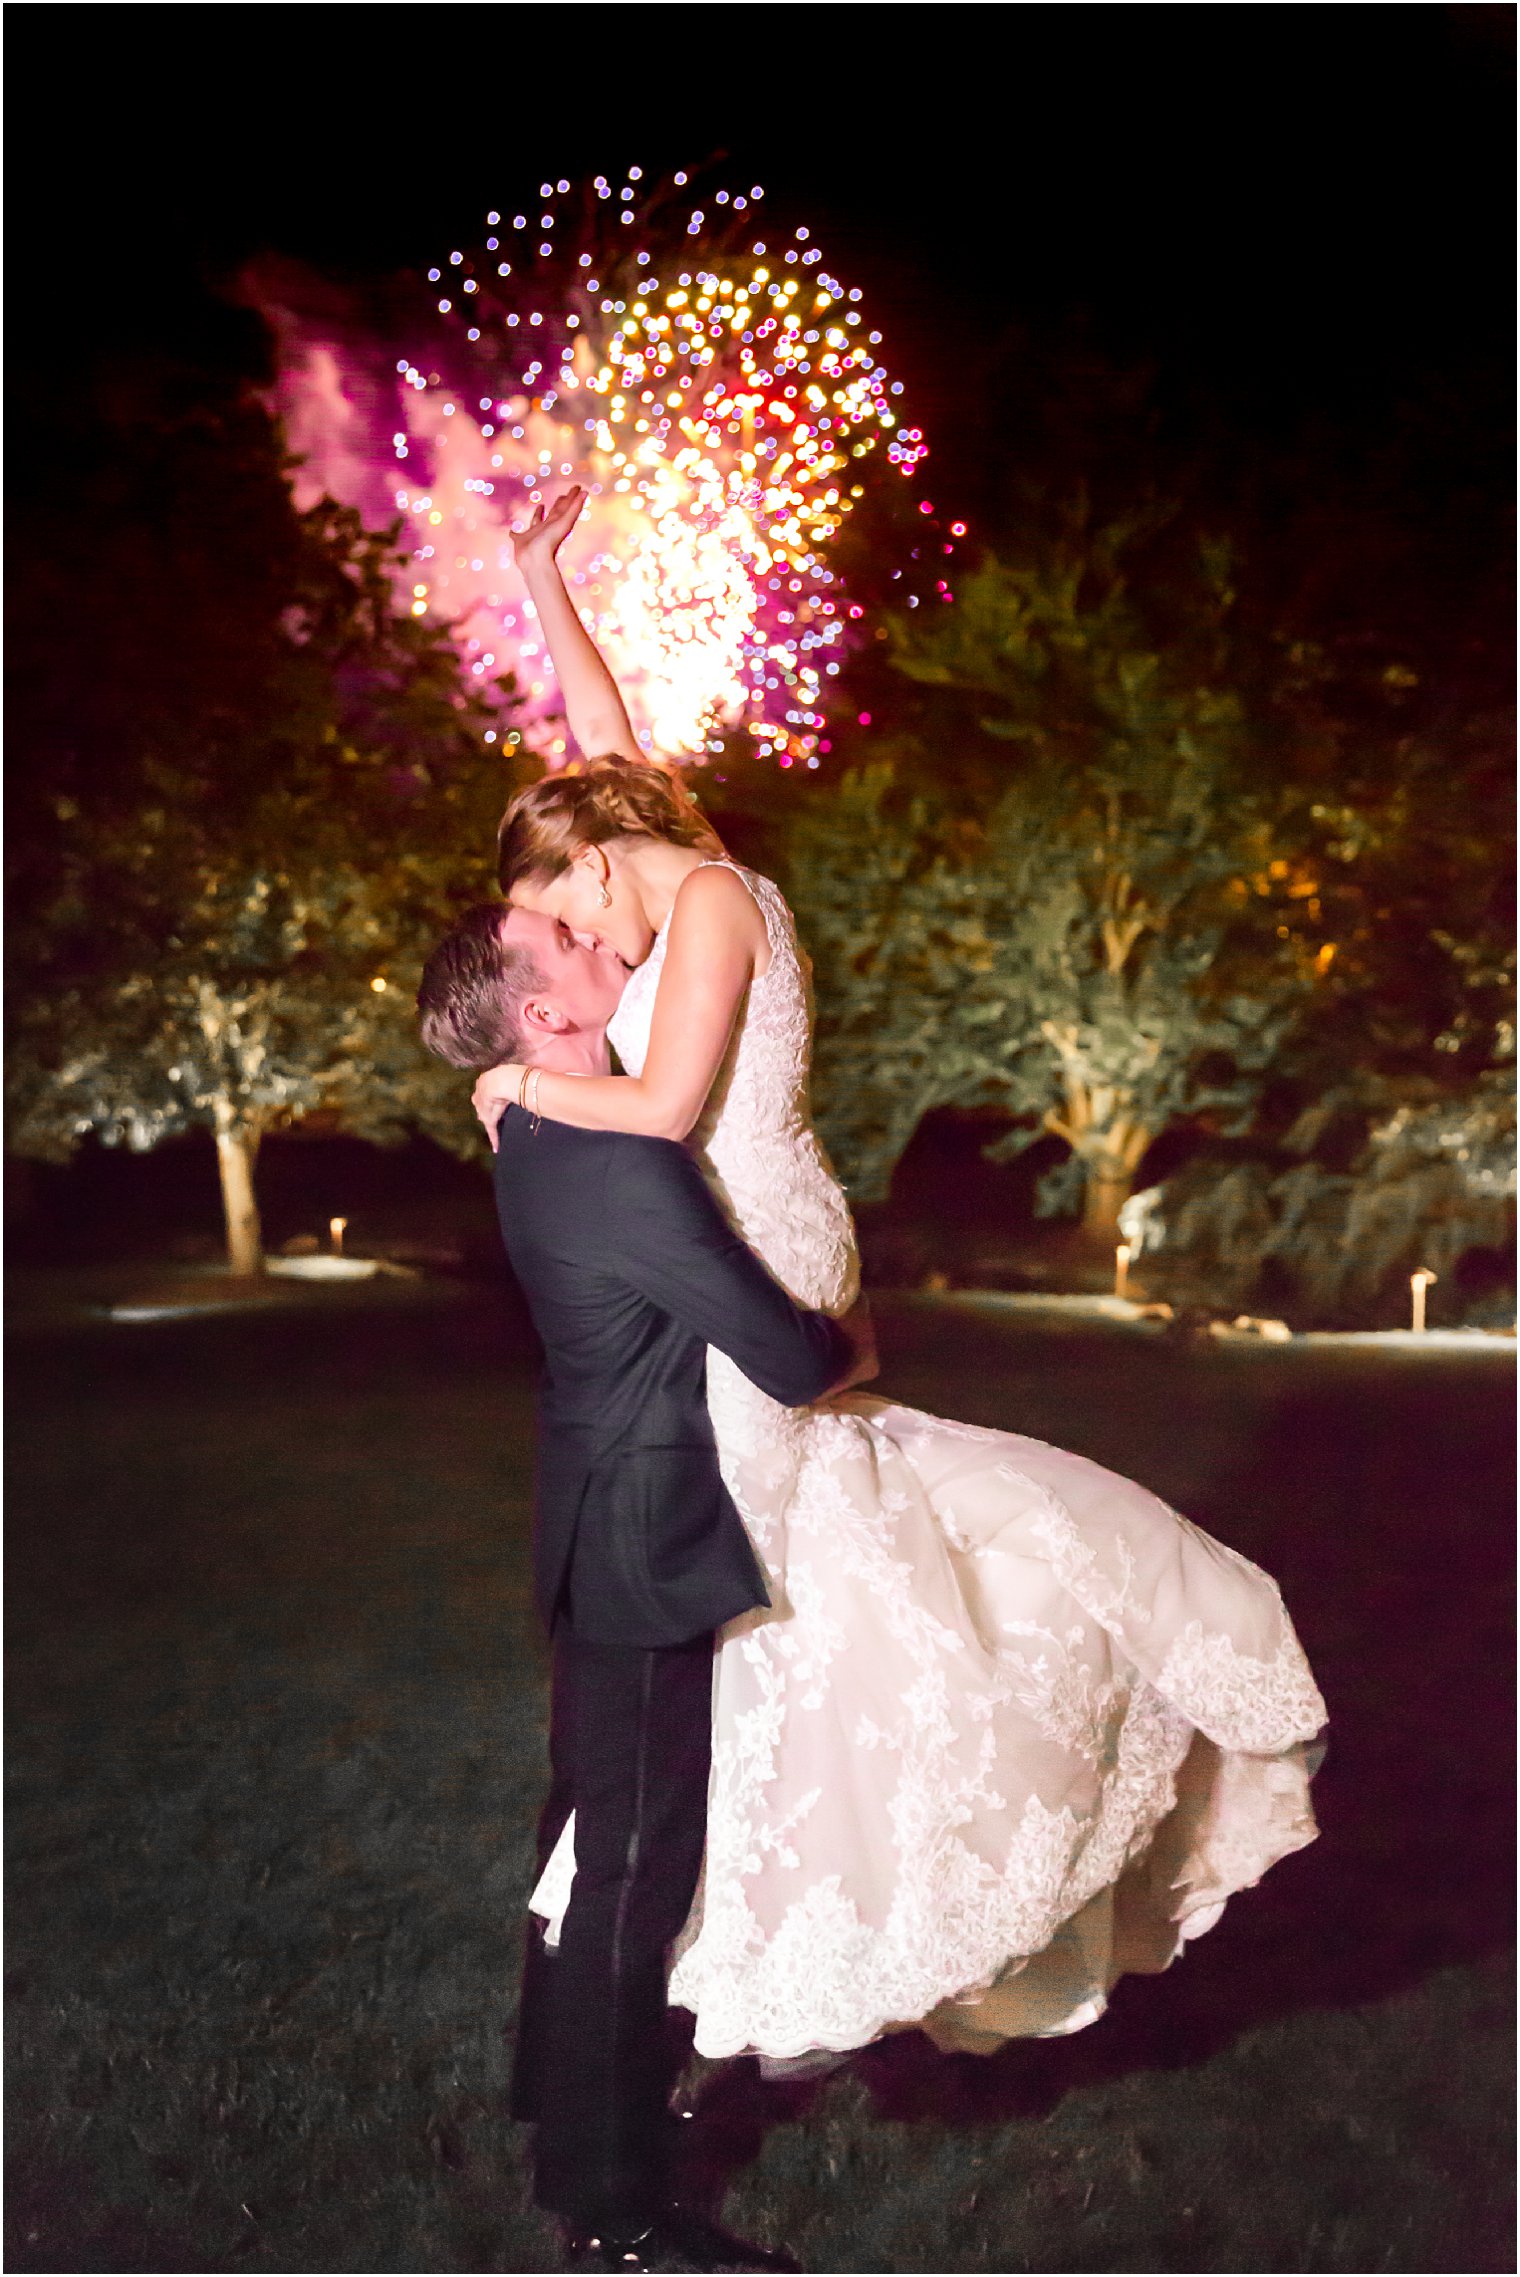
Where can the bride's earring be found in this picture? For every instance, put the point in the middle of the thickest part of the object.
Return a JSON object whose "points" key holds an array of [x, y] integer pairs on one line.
{"points": [[604, 898]]}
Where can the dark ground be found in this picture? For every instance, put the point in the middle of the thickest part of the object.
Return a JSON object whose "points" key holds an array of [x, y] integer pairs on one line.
{"points": [[276, 1742]]}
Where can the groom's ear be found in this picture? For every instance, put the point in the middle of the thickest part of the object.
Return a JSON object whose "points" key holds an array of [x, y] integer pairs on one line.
{"points": [[544, 1019]]}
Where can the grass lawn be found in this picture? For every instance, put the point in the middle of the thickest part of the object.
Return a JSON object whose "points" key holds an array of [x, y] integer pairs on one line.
{"points": [[276, 1743]]}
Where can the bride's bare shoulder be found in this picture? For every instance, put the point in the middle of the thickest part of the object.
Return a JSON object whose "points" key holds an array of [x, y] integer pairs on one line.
{"points": [[716, 898]]}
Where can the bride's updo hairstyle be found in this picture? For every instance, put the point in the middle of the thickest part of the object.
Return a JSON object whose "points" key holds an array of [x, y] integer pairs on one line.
{"points": [[589, 805]]}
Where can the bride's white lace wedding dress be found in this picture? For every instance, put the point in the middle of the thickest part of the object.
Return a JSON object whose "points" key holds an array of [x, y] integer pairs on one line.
{"points": [[1011, 1726]]}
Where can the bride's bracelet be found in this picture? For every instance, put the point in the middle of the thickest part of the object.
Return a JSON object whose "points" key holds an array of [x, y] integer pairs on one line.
{"points": [[537, 1074]]}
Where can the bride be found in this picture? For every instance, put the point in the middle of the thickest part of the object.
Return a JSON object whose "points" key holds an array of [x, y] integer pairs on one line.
{"points": [[1010, 1726]]}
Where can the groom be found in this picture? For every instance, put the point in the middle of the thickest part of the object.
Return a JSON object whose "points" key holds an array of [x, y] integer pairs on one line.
{"points": [[630, 1271]]}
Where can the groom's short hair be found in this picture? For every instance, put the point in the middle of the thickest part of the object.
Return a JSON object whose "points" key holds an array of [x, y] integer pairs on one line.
{"points": [[474, 987]]}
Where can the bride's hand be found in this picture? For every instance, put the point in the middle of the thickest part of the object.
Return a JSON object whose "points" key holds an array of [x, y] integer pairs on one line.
{"points": [[494, 1092], [535, 546]]}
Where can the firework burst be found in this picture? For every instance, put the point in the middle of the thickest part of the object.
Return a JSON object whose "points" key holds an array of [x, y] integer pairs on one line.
{"points": [[718, 392]]}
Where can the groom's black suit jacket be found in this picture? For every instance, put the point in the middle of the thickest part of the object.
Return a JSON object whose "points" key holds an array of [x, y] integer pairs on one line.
{"points": [[630, 1271]]}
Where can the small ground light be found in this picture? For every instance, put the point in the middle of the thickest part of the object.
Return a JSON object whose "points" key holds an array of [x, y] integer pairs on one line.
{"points": [[1122, 1257], [335, 1229], [1418, 1284]]}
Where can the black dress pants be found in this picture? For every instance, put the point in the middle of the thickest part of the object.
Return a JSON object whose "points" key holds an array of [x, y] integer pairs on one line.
{"points": [[630, 1742]]}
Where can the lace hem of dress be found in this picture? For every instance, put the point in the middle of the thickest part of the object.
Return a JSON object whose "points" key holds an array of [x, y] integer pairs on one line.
{"points": [[1158, 1872], [1183, 1827], [1235, 1817]]}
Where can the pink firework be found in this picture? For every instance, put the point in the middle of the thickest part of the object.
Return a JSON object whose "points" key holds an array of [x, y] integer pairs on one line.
{"points": [[719, 394]]}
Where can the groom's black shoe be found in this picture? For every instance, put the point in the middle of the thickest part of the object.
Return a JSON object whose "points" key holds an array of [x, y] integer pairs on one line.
{"points": [[678, 2239]]}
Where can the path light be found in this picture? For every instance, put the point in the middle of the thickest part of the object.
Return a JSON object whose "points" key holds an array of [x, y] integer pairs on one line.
{"points": [[1418, 1284], [335, 1229], [1122, 1257]]}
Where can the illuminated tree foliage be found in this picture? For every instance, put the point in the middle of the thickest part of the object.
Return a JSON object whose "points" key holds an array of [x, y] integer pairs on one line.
{"points": [[1431, 1180], [1400, 1153], [232, 937], [1135, 864], [1121, 939]]}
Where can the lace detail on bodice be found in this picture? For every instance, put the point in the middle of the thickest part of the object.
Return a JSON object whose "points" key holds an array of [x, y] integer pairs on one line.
{"points": [[757, 1148]]}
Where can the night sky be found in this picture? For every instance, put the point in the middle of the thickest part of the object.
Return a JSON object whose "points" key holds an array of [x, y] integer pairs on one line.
{"points": [[1301, 215]]}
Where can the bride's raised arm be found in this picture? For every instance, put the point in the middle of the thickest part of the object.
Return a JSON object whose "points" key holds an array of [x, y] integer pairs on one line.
{"points": [[595, 711], [716, 937], [716, 931]]}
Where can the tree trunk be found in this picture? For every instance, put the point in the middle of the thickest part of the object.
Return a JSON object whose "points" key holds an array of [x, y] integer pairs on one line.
{"points": [[1106, 1192], [237, 1146]]}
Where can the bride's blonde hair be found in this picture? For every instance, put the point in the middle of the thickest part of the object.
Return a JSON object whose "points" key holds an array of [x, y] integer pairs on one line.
{"points": [[587, 806]]}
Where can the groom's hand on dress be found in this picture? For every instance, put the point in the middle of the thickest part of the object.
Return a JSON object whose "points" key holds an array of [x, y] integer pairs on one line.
{"points": [[860, 1332]]}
